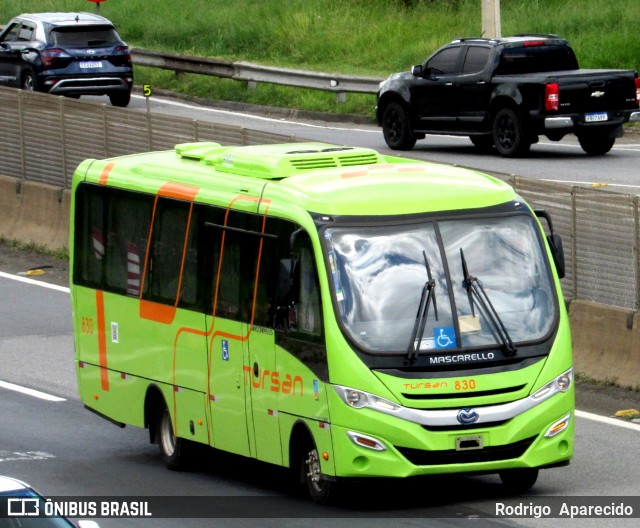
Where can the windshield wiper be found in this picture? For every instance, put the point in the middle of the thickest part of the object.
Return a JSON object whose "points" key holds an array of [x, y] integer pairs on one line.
{"points": [[477, 294], [426, 298]]}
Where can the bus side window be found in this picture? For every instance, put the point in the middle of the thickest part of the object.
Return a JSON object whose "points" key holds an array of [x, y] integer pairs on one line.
{"points": [[126, 237], [112, 227], [90, 240], [298, 297], [308, 314], [173, 255]]}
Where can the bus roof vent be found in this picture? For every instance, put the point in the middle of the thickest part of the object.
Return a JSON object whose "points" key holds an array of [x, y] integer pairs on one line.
{"points": [[284, 160], [197, 151]]}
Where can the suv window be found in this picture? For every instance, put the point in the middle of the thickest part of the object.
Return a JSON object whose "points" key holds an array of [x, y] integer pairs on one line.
{"points": [[12, 34], [84, 37], [26, 33], [476, 59], [445, 61]]}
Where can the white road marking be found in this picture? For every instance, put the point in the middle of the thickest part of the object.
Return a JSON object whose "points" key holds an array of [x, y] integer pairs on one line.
{"points": [[256, 117], [625, 146], [600, 185], [30, 392], [27, 280], [608, 421]]}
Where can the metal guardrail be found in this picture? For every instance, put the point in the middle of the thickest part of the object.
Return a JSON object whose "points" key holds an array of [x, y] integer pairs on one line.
{"points": [[251, 73], [43, 139]]}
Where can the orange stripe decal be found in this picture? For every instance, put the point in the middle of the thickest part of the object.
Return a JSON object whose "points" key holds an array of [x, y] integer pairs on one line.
{"points": [[104, 175], [179, 191], [160, 313], [102, 341]]}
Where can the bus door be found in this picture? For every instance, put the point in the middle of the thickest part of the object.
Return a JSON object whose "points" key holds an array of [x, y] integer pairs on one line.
{"points": [[261, 375], [227, 340], [264, 382]]}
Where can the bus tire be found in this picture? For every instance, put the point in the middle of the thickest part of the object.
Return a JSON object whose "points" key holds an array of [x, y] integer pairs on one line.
{"points": [[171, 447], [321, 490], [519, 480]]}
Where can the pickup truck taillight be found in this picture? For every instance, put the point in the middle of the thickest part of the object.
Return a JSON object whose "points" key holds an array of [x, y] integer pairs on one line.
{"points": [[551, 97], [637, 90]]}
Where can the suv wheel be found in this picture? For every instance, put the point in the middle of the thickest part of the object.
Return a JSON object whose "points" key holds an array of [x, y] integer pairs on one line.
{"points": [[120, 98], [395, 127], [29, 81]]}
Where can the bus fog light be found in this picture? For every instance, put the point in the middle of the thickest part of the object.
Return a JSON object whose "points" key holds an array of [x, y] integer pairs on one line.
{"points": [[366, 441], [558, 427]]}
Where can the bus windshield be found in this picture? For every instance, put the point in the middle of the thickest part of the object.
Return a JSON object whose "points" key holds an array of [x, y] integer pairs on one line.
{"points": [[379, 273]]}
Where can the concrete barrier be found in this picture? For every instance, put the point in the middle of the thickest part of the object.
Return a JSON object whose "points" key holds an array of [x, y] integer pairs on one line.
{"points": [[606, 339], [606, 342], [34, 213]]}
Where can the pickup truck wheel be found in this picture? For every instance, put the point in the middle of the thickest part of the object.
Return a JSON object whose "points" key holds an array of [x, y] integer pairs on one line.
{"points": [[508, 136], [395, 127], [596, 143]]}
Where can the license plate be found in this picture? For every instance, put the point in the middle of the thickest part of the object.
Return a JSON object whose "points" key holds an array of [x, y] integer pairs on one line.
{"points": [[593, 118], [91, 64]]}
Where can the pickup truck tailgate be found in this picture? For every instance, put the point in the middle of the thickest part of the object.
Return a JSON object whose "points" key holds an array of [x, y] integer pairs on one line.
{"points": [[600, 90]]}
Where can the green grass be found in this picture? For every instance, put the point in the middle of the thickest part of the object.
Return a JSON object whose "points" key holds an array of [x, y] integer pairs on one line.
{"points": [[17, 245], [357, 37]]}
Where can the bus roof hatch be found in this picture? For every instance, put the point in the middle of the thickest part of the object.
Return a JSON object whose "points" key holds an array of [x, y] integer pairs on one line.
{"points": [[275, 162]]}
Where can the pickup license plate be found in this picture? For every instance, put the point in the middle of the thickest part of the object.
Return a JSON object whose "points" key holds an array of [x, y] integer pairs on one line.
{"points": [[593, 118], [91, 64]]}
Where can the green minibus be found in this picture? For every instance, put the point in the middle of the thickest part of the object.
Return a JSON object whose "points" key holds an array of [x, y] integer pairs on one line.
{"points": [[329, 309]]}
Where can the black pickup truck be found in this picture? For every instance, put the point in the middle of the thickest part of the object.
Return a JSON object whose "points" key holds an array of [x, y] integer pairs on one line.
{"points": [[505, 93]]}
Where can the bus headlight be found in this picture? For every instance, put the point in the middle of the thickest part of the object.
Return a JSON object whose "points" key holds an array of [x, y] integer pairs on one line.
{"points": [[560, 384], [359, 399]]}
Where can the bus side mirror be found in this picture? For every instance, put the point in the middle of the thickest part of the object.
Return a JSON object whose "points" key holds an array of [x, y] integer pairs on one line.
{"points": [[555, 243], [557, 252]]}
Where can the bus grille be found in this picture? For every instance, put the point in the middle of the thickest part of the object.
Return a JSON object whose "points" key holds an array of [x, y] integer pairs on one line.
{"points": [[421, 457]]}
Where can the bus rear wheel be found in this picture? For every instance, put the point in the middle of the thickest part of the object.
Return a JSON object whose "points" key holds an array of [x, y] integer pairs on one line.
{"points": [[171, 447], [519, 480], [321, 490]]}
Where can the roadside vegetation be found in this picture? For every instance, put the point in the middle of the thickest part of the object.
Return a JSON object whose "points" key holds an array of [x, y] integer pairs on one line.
{"points": [[359, 37]]}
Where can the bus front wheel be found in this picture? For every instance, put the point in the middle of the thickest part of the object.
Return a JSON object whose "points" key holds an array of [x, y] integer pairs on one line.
{"points": [[519, 480], [320, 489], [170, 445]]}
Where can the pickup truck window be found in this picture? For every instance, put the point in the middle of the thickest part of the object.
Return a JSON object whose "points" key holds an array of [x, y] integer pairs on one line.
{"points": [[445, 62], [532, 59], [476, 59]]}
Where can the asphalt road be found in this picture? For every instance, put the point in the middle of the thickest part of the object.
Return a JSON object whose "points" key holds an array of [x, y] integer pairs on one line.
{"points": [[559, 161], [62, 449]]}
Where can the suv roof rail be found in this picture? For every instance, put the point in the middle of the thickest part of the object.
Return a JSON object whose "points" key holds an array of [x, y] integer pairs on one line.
{"points": [[537, 35], [465, 39]]}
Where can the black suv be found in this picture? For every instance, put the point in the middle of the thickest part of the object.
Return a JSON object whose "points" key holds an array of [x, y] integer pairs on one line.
{"points": [[70, 54]]}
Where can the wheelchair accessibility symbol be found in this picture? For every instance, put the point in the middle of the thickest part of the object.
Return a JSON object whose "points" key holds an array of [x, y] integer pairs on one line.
{"points": [[444, 337]]}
